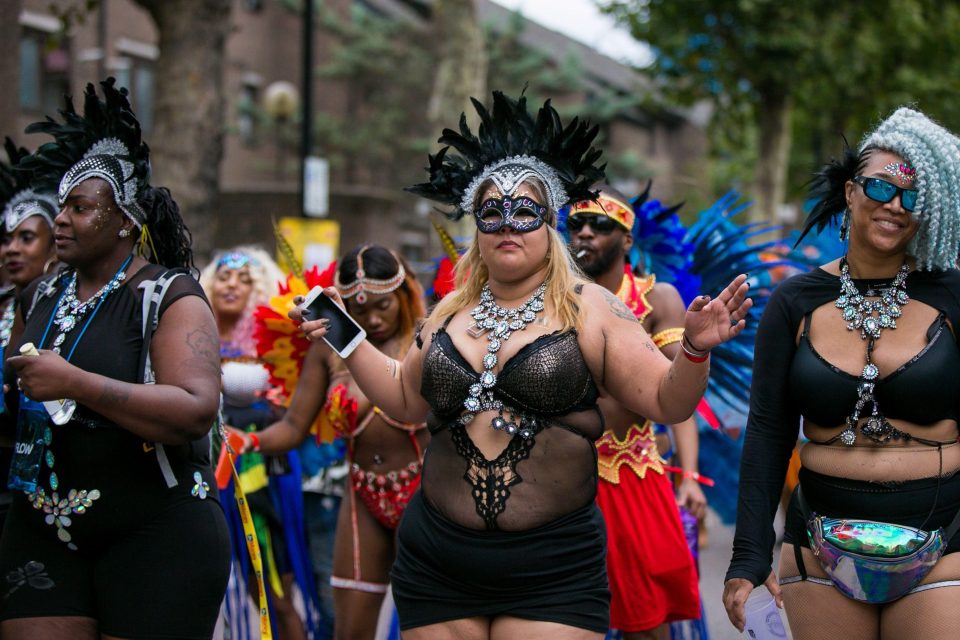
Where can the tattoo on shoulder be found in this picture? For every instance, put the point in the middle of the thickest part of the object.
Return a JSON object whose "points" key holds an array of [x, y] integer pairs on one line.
{"points": [[649, 346], [205, 349], [617, 306]]}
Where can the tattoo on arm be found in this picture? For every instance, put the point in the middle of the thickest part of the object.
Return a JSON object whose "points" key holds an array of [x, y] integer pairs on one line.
{"points": [[617, 306], [115, 392], [649, 345], [205, 350]]}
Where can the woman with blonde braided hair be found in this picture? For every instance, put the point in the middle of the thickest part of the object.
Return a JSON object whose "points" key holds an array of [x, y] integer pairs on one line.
{"points": [[865, 350]]}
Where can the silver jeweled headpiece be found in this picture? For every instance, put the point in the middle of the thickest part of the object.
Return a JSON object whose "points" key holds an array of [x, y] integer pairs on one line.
{"points": [[512, 145], [29, 203], [108, 159], [509, 173]]}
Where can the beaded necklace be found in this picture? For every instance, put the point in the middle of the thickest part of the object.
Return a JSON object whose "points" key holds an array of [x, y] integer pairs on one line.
{"points": [[871, 317], [6, 321], [70, 310], [499, 324]]}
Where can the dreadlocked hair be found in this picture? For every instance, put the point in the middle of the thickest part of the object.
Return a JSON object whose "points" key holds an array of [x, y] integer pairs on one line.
{"points": [[170, 239], [828, 189], [508, 131], [381, 263]]}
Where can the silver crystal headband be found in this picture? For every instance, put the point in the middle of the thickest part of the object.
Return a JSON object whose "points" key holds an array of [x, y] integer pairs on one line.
{"points": [[509, 173], [363, 285], [108, 160], [29, 203]]}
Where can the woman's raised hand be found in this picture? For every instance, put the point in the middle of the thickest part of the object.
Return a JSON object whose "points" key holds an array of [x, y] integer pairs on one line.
{"points": [[709, 323]]}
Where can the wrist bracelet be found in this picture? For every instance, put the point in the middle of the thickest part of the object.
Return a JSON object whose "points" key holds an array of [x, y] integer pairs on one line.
{"points": [[254, 441], [696, 358], [694, 350], [693, 475]]}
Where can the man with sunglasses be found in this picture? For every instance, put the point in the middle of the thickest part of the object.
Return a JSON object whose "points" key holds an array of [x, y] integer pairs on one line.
{"points": [[652, 575]]}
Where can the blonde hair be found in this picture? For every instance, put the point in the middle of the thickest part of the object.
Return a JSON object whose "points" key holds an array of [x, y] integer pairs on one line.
{"points": [[266, 276], [563, 275]]}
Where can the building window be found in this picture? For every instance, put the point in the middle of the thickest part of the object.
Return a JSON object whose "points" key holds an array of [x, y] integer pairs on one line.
{"points": [[248, 114], [44, 72], [137, 75]]}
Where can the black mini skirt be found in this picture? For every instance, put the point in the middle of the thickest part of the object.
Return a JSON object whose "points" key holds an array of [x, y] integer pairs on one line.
{"points": [[553, 573]]}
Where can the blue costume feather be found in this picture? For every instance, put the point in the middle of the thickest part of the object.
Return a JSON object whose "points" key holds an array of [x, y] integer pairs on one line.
{"points": [[703, 259]]}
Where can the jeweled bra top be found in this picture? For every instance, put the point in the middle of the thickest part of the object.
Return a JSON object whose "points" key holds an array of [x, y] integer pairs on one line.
{"points": [[532, 481]]}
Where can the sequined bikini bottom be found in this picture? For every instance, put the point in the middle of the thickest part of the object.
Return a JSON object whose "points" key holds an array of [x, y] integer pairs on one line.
{"points": [[386, 494]]}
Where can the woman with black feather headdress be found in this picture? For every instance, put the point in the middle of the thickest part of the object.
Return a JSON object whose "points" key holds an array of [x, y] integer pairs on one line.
{"points": [[118, 531], [504, 539], [864, 350]]}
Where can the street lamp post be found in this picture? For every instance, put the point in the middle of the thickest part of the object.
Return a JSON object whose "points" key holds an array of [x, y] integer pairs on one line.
{"points": [[281, 100]]}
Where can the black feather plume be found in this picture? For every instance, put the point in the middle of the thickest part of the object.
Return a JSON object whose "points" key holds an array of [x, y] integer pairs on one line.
{"points": [[15, 179], [508, 129], [110, 117], [828, 190]]}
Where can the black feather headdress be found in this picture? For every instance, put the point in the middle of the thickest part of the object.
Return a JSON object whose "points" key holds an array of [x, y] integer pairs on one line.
{"points": [[22, 196], [103, 143], [828, 190], [509, 148]]}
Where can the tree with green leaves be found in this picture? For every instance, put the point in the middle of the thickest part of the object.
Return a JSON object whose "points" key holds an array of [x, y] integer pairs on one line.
{"points": [[187, 139], [741, 54], [387, 68], [807, 71]]}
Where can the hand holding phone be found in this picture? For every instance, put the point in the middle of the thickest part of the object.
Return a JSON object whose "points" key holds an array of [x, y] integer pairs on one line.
{"points": [[343, 333]]}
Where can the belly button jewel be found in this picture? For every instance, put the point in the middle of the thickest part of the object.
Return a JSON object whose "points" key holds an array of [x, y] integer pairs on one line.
{"points": [[377, 458]]}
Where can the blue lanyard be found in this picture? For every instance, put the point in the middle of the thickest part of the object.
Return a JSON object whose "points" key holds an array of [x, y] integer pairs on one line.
{"points": [[86, 324]]}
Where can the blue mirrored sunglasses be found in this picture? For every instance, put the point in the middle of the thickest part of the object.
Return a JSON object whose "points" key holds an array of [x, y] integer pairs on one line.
{"points": [[883, 191]]}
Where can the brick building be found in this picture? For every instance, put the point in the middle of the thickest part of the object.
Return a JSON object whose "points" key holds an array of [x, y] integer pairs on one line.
{"points": [[259, 175]]}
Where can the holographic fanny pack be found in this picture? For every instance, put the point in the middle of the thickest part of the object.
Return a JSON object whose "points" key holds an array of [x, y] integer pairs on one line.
{"points": [[875, 562]]}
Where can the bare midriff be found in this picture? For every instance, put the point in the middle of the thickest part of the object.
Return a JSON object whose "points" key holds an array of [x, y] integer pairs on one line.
{"points": [[891, 462]]}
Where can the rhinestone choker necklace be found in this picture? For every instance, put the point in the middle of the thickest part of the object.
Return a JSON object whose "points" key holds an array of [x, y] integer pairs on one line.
{"points": [[871, 317], [70, 310], [499, 324]]}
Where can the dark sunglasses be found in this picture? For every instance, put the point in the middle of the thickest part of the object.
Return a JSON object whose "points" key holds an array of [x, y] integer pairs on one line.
{"points": [[883, 191], [600, 224]]}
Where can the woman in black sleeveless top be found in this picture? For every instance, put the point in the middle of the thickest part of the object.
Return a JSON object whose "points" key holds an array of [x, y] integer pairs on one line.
{"points": [[504, 539], [122, 535]]}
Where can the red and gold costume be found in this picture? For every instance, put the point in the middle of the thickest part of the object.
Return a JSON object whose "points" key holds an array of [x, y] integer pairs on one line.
{"points": [[652, 575]]}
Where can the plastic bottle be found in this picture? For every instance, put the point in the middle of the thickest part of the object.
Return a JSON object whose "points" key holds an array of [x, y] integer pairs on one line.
{"points": [[60, 410]]}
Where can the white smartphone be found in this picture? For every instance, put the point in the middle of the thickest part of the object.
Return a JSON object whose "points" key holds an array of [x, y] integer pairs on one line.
{"points": [[344, 334]]}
